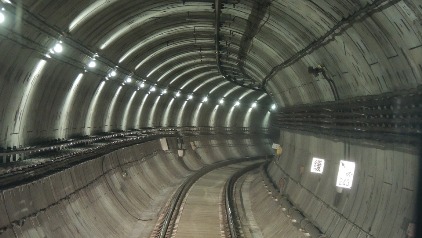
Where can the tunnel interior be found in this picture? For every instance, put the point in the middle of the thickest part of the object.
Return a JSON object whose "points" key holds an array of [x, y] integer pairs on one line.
{"points": [[107, 107]]}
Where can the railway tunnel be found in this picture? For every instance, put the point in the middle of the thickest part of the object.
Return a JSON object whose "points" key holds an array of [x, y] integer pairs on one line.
{"points": [[210, 118]]}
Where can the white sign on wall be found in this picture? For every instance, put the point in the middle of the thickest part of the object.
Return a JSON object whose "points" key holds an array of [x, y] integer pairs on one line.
{"points": [[164, 145], [317, 165], [345, 174]]}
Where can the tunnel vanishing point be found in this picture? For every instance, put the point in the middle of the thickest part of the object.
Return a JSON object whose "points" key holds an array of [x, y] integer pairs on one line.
{"points": [[210, 118]]}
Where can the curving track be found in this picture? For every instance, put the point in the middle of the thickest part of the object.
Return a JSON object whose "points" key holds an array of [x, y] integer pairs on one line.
{"points": [[203, 205]]}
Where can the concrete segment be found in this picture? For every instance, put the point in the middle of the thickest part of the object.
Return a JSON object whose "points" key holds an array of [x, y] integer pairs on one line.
{"points": [[380, 203], [171, 44], [271, 220], [115, 195]]}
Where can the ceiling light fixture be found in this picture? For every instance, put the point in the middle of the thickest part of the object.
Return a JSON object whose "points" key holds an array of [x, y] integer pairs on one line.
{"points": [[237, 103], [2, 17], [92, 64], [254, 105], [205, 99], [58, 48], [178, 94], [221, 101], [113, 73], [273, 107]]}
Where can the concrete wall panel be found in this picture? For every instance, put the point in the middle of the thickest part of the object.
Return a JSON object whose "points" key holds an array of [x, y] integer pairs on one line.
{"points": [[7, 233], [115, 195], [18, 202], [381, 201], [4, 219], [56, 186], [268, 214]]}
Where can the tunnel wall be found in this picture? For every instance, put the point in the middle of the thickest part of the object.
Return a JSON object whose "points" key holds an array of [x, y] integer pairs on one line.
{"points": [[375, 54], [116, 195], [268, 213], [45, 100], [381, 202]]}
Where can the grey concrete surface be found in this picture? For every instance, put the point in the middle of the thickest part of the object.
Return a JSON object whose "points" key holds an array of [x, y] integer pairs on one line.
{"points": [[268, 214], [116, 195], [368, 47], [381, 202], [201, 214]]}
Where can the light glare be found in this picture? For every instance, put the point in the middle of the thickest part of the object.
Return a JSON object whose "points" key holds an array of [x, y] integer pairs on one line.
{"points": [[254, 105], [237, 103], [221, 101], [205, 99], [92, 64], [273, 107], [2, 17], [178, 94], [58, 48], [113, 73]]}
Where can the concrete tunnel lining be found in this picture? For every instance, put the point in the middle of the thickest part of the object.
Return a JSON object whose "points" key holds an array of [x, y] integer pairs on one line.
{"points": [[124, 188], [369, 49]]}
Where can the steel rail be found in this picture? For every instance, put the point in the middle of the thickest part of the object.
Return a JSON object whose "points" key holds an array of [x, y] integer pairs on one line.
{"points": [[166, 226], [231, 216]]}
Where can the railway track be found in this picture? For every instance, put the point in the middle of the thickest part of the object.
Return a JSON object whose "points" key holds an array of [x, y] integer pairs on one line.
{"points": [[232, 217], [204, 205]]}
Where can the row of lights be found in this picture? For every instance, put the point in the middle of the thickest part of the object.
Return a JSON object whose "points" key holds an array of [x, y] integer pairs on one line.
{"points": [[153, 88], [58, 48]]}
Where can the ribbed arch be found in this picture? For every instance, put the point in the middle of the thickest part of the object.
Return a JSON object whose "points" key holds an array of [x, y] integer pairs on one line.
{"points": [[169, 33], [166, 10]]}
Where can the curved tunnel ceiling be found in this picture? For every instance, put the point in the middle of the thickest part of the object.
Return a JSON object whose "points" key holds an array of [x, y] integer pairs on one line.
{"points": [[367, 47], [93, 68]]}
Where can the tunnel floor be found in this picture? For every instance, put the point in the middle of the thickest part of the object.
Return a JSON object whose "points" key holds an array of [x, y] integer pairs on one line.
{"points": [[201, 212]]}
